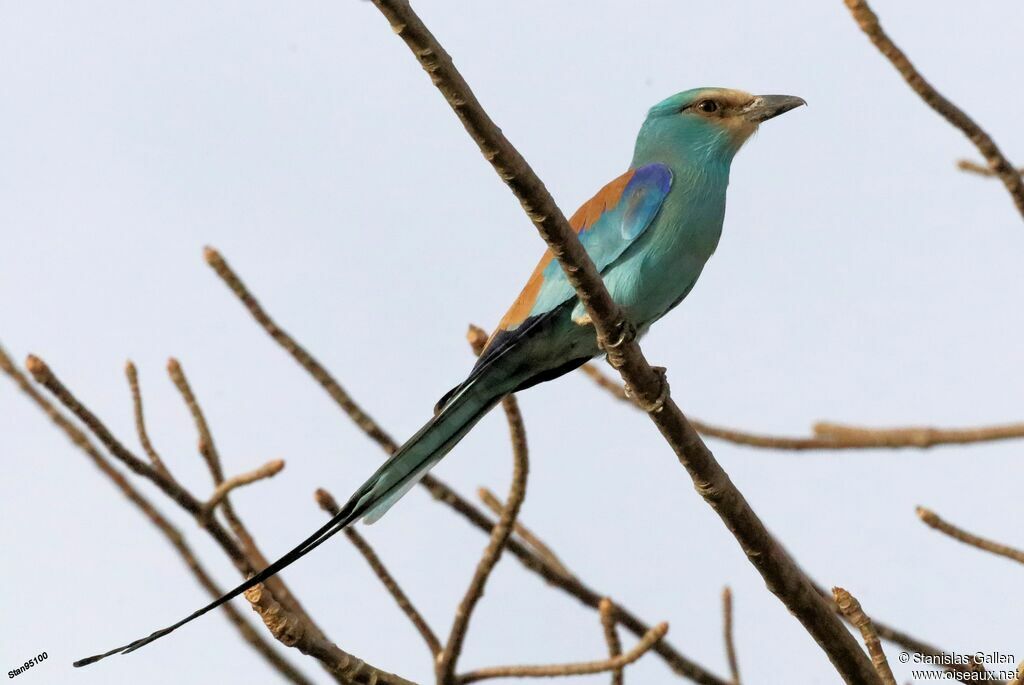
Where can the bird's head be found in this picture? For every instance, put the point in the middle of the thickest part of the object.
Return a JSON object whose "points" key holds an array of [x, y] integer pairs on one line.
{"points": [[706, 124]]}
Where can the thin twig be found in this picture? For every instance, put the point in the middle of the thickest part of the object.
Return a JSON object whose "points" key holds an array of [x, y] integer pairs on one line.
{"points": [[330, 505], [304, 358], [169, 531], [582, 668], [606, 611], [439, 490], [293, 631], [140, 419], [781, 573], [727, 630], [447, 661], [932, 520], [494, 503], [852, 610], [268, 470], [208, 450], [975, 168], [834, 436], [867, 20]]}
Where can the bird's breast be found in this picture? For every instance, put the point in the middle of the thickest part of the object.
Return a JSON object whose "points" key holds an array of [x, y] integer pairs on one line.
{"points": [[666, 262]]}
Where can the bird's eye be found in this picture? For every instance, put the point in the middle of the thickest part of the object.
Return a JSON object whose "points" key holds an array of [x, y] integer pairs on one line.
{"points": [[707, 106]]}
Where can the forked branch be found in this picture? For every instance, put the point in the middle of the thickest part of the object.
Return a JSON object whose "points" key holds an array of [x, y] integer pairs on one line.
{"points": [[868, 22], [166, 528]]}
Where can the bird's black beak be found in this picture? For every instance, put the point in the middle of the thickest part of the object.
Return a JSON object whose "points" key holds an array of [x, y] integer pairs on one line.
{"points": [[765, 107]]}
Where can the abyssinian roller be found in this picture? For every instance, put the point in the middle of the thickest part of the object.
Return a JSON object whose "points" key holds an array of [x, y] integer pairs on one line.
{"points": [[649, 232]]}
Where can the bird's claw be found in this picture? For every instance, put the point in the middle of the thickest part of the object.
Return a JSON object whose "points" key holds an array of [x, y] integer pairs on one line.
{"points": [[658, 403], [627, 334]]}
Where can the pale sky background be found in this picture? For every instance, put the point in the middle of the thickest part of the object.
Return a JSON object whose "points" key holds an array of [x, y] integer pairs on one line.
{"points": [[860, 278]]}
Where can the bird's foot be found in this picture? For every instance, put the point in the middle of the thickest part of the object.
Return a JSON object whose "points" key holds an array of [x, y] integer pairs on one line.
{"points": [[626, 334], [613, 348], [652, 407]]}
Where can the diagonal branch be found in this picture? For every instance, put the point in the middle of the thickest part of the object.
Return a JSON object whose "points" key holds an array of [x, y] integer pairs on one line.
{"points": [[932, 520], [851, 609], [268, 470], [583, 668], [492, 502], [441, 492], [780, 572], [140, 419], [330, 505], [169, 531], [304, 358], [295, 631], [867, 20]]}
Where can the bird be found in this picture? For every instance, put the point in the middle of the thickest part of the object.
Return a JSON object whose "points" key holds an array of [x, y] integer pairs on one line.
{"points": [[649, 232]]}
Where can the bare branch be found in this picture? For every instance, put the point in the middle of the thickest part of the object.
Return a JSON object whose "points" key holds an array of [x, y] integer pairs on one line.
{"points": [[916, 436], [975, 168], [140, 419], [583, 668], [299, 353], [606, 611], [447, 661], [834, 436], [852, 610], [867, 20], [606, 382], [268, 470], [441, 492], [730, 645], [650, 387], [169, 531], [207, 448], [492, 502], [932, 520], [330, 505], [293, 631]]}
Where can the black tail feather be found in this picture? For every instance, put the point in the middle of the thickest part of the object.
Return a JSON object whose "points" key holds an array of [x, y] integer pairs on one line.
{"points": [[348, 514]]}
